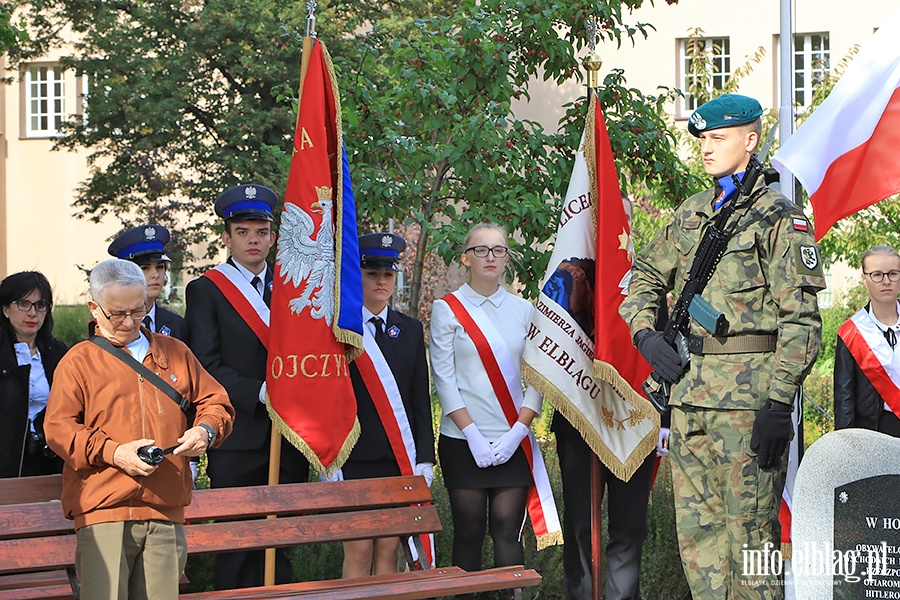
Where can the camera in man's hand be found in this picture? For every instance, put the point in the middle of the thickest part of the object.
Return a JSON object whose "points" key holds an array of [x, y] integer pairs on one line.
{"points": [[152, 455]]}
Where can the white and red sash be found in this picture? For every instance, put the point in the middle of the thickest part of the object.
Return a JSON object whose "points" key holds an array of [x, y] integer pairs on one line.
{"points": [[506, 382], [875, 357], [382, 387], [243, 297]]}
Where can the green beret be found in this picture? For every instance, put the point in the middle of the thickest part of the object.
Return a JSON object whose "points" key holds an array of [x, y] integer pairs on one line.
{"points": [[728, 110]]}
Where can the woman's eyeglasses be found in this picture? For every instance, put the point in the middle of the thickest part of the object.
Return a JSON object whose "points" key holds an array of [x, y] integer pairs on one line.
{"points": [[482, 251], [25, 305], [878, 276]]}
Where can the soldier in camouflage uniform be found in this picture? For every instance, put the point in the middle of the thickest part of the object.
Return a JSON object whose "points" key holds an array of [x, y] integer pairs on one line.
{"points": [[731, 406]]}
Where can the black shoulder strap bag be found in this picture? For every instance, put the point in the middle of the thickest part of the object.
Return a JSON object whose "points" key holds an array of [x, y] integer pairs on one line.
{"points": [[149, 375]]}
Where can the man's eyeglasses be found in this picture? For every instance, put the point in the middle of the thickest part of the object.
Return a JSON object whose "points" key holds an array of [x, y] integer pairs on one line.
{"points": [[878, 276], [25, 305], [482, 251], [117, 318]]}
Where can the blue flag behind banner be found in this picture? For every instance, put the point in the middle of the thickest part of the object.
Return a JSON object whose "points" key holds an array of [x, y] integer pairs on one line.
{"points": [[351, 301]]}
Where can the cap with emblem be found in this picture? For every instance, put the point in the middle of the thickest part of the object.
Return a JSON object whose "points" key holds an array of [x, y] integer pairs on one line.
{"points": [[246, 203], [728, 110], [380, 251], [141, 245]]}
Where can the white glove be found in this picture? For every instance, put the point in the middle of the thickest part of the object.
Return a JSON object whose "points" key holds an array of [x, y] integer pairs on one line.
{"points": [[262, 393], [662, 446], [479, 446], [506, 446], [426, 470], [336, 476]]}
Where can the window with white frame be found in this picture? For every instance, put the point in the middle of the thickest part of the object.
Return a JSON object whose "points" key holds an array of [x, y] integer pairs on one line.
{"points": [[44, 100], [706, 66], [812, 61]]}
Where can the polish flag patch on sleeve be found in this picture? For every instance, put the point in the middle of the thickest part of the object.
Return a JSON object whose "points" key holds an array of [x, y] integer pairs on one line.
{"points": [[800, 224]]}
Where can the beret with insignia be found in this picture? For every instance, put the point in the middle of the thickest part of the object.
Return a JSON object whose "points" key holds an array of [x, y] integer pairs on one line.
{"points": [[380, 251], [728, 110], [141, 245], [246, 203]]}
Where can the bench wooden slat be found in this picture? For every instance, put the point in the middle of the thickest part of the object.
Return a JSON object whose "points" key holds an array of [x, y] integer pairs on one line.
{"points": [[12, 582], [22, 490], [37, 519], [310, 529], [53, 552], [242, 502], [402, 586]]}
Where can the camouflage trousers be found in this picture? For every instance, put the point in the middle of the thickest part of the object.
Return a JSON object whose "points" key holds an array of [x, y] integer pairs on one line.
{"points": [[726, 508]]}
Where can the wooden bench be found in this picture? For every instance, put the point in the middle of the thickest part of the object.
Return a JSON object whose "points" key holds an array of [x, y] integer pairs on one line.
{"points": [[37, 543]]}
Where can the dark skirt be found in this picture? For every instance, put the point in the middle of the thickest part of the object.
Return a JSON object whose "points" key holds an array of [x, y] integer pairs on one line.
{"points": [[370, 469], [460, 471]]}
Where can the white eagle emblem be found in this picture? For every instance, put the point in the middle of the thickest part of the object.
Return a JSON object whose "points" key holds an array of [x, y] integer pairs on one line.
{"points": [[308, 261], [149, 233], [250, 192]]}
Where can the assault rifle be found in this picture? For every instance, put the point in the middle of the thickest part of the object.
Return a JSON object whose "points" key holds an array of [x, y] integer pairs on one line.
{"points": [[689, 302]]}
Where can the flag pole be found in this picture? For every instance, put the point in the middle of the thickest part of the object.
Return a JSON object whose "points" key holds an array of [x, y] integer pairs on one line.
{"points": [[275, 446], [592, 63], [786, 91]]}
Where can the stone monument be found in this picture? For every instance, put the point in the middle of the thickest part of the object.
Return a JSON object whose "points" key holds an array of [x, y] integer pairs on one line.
{"points": [[846, 518]]}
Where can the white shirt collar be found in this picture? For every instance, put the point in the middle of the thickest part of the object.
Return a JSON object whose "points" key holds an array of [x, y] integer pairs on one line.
{"points": [[152, 314], [477, 299], [882, 326], [246, 274]]}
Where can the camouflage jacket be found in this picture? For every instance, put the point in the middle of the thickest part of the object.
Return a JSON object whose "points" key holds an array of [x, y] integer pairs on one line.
{"points": [[765, 283]]}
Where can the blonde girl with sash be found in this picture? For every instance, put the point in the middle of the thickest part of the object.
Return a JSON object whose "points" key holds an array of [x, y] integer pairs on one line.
{"points": [[478, 332]]}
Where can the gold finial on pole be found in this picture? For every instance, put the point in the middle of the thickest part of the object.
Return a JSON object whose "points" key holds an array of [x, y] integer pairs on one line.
{"points": [[592, 62]]}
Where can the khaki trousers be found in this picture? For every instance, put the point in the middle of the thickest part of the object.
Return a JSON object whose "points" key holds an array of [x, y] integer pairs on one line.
{"points": [[136, 560]]}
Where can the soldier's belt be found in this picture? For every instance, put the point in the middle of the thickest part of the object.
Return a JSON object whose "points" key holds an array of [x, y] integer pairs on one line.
{"points": [[738, 344]]}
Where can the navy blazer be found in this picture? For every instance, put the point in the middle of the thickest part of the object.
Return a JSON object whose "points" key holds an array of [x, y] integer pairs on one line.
{"points": [[227, 348], [405, 354]]}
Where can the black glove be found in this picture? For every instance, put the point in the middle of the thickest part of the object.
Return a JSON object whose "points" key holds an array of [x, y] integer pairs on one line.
{"points": [[772, 431], [661, 356]]}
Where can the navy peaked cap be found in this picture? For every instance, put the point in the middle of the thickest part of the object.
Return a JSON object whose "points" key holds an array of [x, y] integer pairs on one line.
{"points": [[142, 245], [380, 251], [247, 202]]}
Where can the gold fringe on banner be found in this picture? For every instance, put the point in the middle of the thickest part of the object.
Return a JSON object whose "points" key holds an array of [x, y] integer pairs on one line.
{"points": [[298, 442], [591, 436]]}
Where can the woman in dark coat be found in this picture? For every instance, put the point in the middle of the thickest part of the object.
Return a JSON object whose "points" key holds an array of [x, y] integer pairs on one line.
{"points": [[28, 356]]}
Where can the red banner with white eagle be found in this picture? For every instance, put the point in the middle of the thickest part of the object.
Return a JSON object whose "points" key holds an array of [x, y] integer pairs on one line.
{"points": [[317, 287]]}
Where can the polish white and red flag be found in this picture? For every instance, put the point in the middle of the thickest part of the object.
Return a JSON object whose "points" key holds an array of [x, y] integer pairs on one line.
{"points": [[846, 153]]}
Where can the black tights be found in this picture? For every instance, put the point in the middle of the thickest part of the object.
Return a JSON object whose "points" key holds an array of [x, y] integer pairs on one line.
{"points": [[506, 513]]}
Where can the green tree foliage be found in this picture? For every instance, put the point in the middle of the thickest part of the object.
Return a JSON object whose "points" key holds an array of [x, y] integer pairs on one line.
{"points": [[10, 35], [188, 98], [435, 140]]}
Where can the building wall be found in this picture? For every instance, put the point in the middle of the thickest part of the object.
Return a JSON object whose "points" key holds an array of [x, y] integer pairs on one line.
{"points": [[654, 61], [37, 188]]}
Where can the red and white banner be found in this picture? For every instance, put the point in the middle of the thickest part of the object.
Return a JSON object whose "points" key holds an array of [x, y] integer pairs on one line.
{"points": [[311, 400], [845, 154], [579, 353]]}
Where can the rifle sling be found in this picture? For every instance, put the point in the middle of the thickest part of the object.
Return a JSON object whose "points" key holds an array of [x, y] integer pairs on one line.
{"points": [[149, 375]]}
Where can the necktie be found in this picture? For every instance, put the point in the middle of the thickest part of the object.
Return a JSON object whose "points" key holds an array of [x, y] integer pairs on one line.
{"points": [[255, 283], [379, 326], [147, 322], [891, 337]]}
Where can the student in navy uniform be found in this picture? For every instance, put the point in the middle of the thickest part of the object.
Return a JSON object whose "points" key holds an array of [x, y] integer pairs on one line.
{"points": [[146, 247], [226, 345], [401, 341]]}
